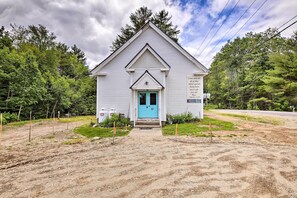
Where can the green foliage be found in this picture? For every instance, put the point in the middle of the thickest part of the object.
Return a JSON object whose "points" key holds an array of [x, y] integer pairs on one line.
{"points": [[210, 106], [243, 76], [90, 132], [73, 141], [9, 117], [41, 75], [199, 127], [138, 19], [118, 120], [181, 118]]}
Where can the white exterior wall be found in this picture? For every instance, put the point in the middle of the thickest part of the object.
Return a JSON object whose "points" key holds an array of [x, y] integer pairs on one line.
{"points": [[147, 60], [114, 88]]}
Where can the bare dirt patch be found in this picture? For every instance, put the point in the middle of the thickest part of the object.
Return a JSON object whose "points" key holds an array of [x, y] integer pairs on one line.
{"points": [[146, 164], [257, 132]]}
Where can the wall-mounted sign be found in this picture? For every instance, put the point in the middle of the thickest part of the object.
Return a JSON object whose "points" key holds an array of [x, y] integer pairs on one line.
{"points": [[193, 100], [194, 89]]}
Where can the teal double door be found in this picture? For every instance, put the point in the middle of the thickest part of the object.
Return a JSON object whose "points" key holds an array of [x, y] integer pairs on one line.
{"points": [[147, 104]]}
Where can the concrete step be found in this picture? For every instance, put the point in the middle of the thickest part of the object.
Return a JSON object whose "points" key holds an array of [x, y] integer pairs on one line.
{"points": [[147, 122], [146, 126]]}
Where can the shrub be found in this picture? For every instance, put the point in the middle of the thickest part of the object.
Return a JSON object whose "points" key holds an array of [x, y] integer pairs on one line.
{"points": [[119, 121], [9, 117], [181, 118]]}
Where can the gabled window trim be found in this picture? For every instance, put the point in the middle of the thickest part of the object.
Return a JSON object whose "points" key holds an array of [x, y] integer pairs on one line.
{"points": [[142, 76], [153, 52]]}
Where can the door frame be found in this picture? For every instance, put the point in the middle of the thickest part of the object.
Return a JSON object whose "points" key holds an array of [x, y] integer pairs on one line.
{"points": [[158, 103]]}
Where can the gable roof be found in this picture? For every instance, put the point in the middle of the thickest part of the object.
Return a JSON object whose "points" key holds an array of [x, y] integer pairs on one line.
{"points": [[145, 48], [136, 35], [149, 75]]}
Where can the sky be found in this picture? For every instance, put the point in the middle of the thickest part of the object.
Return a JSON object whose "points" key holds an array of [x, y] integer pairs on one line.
{"points": [[205, 25]]}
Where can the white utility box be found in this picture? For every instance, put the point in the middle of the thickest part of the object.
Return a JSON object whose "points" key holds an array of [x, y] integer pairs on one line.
{"points": [[103, 114], [111, 112]]}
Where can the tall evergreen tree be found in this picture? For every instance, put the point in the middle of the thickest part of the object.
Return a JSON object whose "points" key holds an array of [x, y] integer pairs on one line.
{"points": [[281, 81], [142, 15], [163, 21]]}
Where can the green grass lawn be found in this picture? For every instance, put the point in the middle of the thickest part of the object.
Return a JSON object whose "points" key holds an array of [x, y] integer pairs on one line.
{"points": [[90, 132], [198, 128]]}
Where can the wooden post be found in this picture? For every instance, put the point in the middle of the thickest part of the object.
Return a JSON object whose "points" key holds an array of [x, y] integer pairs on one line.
{"points": [[114, 131], [176, 131], [68, 119], [30, 127], [209, 127], [53, 124], [19, 114], [1, 118]]}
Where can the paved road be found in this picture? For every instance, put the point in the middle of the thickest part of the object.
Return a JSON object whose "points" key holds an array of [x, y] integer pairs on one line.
{"points": [[272, 113]]}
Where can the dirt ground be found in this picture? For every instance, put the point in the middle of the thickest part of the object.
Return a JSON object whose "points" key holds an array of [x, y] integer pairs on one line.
{"points": [[256, 160]]}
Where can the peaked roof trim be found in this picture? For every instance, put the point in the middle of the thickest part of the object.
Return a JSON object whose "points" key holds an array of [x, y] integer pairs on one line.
{"points": [[144, 27], [146, 72], [142, 51]]}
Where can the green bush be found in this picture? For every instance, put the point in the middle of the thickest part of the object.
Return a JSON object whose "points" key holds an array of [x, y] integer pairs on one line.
{"points": [[210, 106], [9, 117], [119, 121], [181, 118]]}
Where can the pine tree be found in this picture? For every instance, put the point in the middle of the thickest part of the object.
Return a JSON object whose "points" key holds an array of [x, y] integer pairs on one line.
{"points": [[138, 19]]}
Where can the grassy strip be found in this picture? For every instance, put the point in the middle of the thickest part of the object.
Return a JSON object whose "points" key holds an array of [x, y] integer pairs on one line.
{"points": [[62, 120], [90, 132], [78, 118], [198, 128], [22, 123], [264, 120]]}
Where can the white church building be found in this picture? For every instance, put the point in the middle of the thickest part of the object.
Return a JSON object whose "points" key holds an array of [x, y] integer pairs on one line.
{"points": [[149, 77]]}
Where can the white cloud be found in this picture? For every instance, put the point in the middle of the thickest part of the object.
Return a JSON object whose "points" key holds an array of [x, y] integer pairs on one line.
{"points": [[94, 24]]}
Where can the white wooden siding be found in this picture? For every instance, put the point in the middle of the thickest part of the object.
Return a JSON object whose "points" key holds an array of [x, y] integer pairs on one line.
{"points": [[147, 61], [114, 89]]}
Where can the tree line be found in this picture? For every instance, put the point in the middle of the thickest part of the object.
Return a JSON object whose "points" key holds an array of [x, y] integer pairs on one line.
{"points": [[44, 76], [255, 72], [41, 75]]}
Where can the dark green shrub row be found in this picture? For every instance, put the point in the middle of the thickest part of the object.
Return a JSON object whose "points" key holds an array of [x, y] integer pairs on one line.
{"points": [[181, 118], [119, 121]]}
